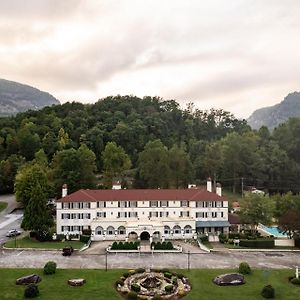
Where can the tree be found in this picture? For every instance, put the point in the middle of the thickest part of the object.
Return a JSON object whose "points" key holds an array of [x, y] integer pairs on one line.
{"points": [[75, 168], [153, 165], [37, 216], [256, 209], [63, 139], [181, 169], [115, 161], [27, 178], [290, 221]]}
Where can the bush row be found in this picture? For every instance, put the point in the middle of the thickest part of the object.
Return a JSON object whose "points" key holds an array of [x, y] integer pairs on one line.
{"points": [[259, 243], [162, 246], [124, 246]]}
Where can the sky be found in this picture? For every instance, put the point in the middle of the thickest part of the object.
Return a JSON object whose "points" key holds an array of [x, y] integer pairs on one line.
{"points": [[238, 55]]}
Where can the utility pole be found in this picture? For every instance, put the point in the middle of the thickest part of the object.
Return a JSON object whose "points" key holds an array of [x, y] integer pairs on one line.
{"points": [[106, 260], [189, 260]]}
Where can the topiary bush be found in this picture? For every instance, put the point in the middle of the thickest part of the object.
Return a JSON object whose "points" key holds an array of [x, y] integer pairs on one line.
{"points": [[157, 297], [295, 281], [223, 238], [120, 282], [169, 288], [132, 295], [168, 275], [31, 291], [50, 268], [135, 287], [244, 268], [268, 292]]}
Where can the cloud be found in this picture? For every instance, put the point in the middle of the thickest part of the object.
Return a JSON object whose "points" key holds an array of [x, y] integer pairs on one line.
{"points": [[221, 53]]}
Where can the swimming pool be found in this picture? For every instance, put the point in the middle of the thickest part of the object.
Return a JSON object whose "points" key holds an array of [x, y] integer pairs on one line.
{"points": [[273, 230]]}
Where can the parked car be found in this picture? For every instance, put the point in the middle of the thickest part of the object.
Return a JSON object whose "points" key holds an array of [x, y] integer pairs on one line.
{"points": [[13, 232], [67, 251]]}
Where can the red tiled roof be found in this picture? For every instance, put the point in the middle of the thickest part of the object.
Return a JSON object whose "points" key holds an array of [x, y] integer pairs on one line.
{"points": [[142, 195]]}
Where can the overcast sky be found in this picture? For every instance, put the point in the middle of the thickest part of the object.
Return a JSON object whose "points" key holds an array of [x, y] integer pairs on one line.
{"points": [[238, 55]]}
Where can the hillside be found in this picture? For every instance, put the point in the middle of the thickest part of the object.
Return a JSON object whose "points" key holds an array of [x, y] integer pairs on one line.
{"points": [[16, 97], [274, 115]]}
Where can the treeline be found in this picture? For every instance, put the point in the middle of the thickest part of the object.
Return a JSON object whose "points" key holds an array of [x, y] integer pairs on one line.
{"points": [[150, 141]]}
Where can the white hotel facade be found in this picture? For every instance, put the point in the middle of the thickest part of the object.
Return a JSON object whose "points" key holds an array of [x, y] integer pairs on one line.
{"points": [[144, 213]]}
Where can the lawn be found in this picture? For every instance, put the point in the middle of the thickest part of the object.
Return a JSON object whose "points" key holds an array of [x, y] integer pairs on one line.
{"points": [[3, 205], [27, 242], [100, 285]]}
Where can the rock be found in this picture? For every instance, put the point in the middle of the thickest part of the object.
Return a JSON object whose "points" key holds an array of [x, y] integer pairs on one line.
{"points": [[33, 278], [76, 282], [229, 279]]}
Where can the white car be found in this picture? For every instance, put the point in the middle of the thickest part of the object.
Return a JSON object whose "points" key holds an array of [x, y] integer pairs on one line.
{"points": [[13, 232]]}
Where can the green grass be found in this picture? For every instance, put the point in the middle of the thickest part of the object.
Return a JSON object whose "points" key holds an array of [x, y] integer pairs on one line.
{"points": [[27, 242], [3, 205], [100, 285]]}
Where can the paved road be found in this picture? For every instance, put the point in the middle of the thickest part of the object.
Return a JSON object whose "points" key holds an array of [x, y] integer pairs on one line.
{"points": [[9, 219], [37, 259]]}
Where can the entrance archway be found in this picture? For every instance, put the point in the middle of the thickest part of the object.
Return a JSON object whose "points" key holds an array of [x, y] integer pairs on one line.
{"points": [[132, 236], [145, 236]]}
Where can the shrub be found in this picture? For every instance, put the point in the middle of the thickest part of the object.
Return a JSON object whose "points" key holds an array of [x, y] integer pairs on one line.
{"points": [[140, 270], [157, 297], [295, 281], [84, 238], [132, 295], [126, 274], [169, 288], [180, 276], [31, 291], [168, 275], [120, 282], [203, 238], [60, 237], [223, 238], [261, 243], [169, 246], [50, 268], [87, 232], [297, 242], [135, 287], [174, 280], [114, 246], [244, 268], [268, 292]]}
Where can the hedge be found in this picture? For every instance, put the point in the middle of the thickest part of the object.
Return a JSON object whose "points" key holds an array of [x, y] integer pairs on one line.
{"points": [[84, 238], [260, 244], [297, 242], [124, 246], [162, 246]]}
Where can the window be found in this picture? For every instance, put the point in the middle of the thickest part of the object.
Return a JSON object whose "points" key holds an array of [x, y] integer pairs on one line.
{"points": [[210, 204], [101, 214], [121, 230], [188, 229], [184, 214], [110, 230], [164, 203], [86, 205], [132, 214], [200, 214], [65, 216], [167, 230], [214, 214], [132, 204], [219, 203], [153, 214], [177, 229], [222, 214], [122, 204], [87, 216], [184, 203], [153, 203], [99, 230], [101, 204], [199, 204]]}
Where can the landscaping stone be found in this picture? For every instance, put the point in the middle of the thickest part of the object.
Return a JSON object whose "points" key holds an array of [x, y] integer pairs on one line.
{"points": [[76, 282], [32, 278], [229, 279]]}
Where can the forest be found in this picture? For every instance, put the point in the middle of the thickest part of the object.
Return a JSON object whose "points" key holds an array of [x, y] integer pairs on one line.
{"points": [[144, 142]]}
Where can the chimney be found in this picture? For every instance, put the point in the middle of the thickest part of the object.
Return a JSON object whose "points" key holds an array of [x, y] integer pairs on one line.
{"points": [[64, 192], [219, 189], [209, 185]]}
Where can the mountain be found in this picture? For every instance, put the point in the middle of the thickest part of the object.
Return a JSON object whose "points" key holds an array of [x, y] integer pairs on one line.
{"points": [[272, 116], [16, 97]]}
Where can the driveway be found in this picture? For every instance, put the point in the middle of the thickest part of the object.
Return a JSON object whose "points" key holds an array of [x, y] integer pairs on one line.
{"points": [[219, 260]]}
